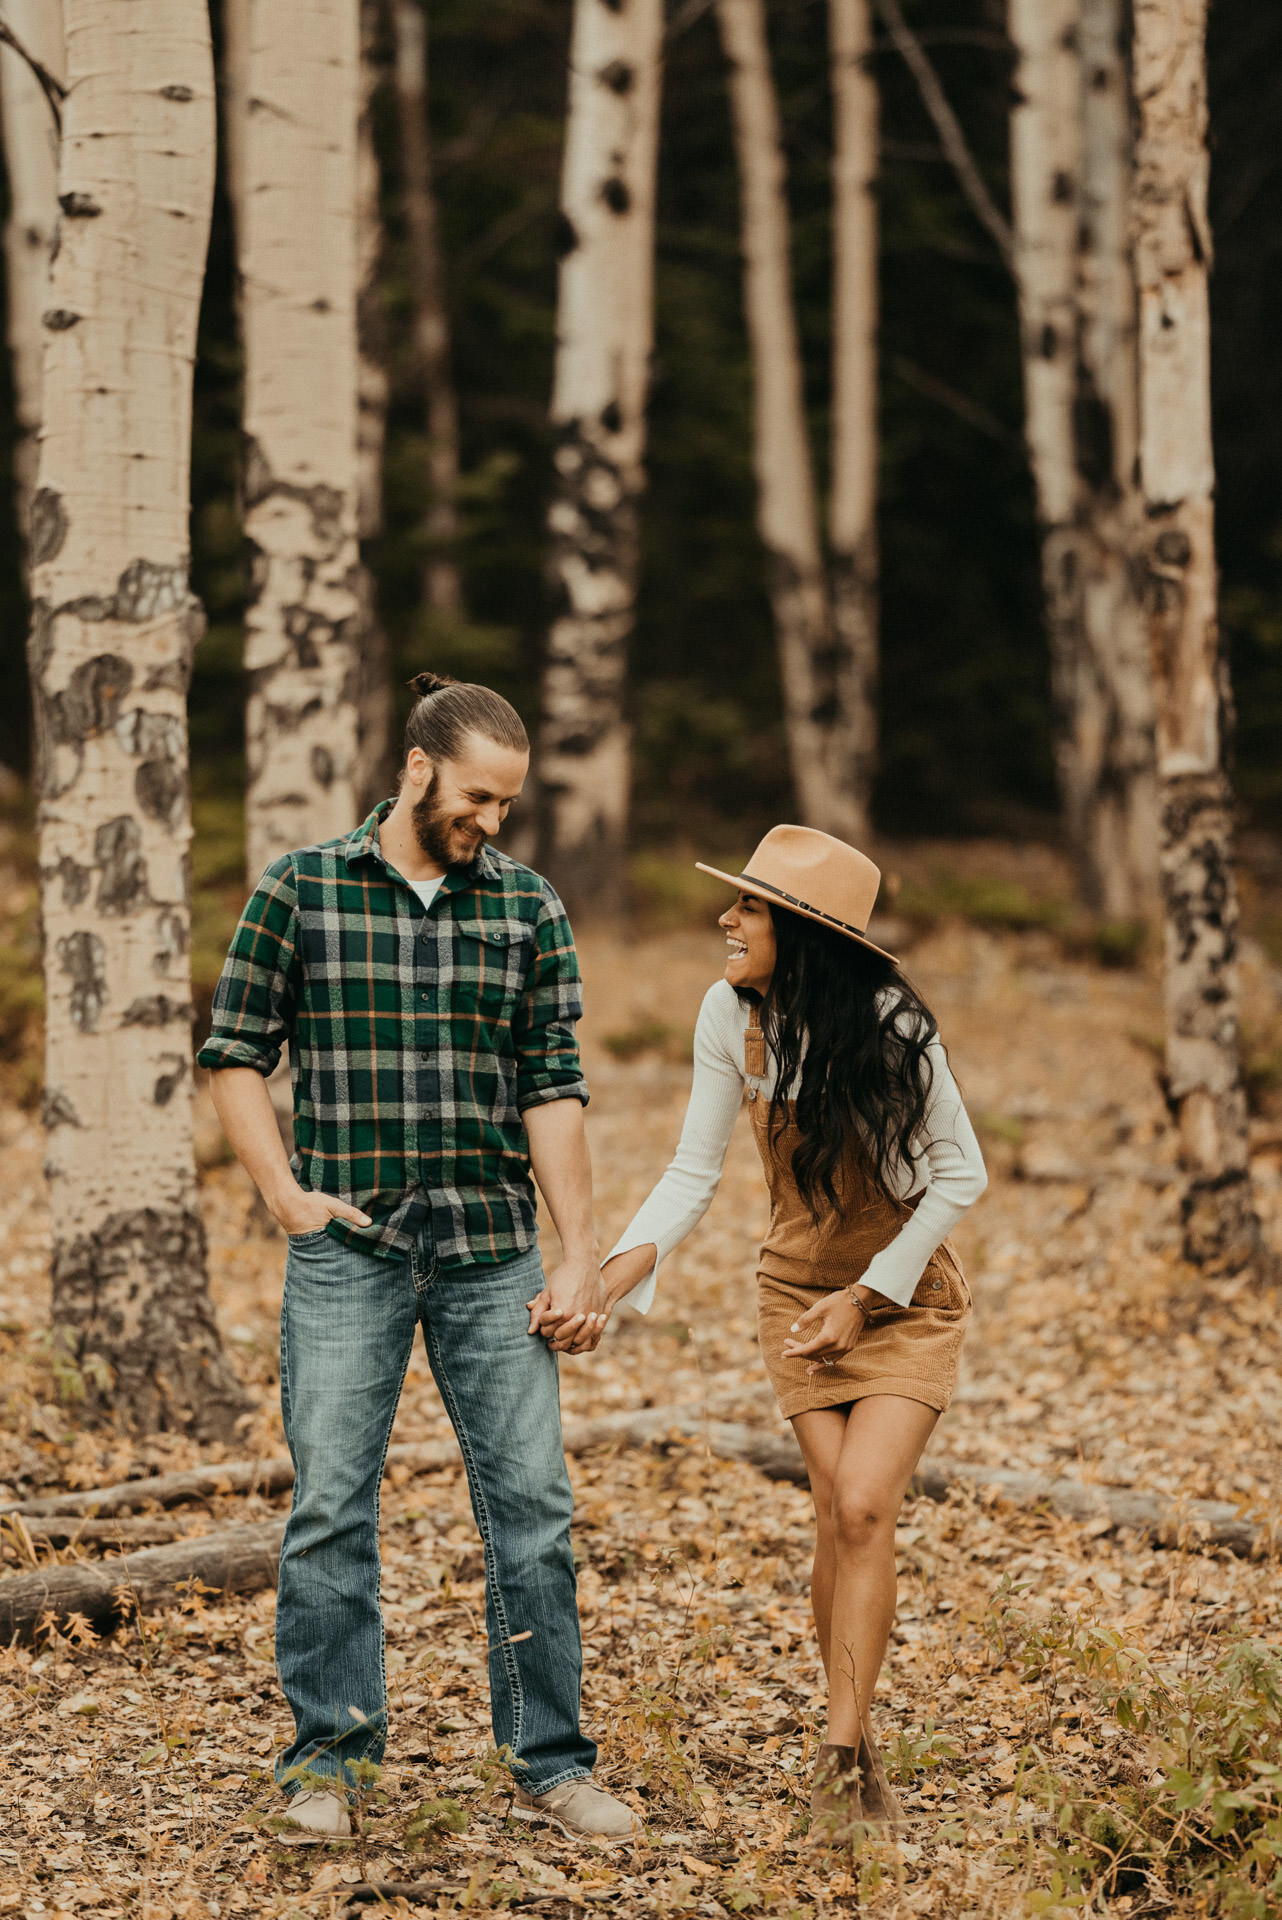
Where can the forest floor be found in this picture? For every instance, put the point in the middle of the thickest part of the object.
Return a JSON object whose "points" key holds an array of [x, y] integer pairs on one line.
{"points": [[1041, 1670]]}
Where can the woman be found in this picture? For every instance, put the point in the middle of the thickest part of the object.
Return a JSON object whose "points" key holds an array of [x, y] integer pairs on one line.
{"points": [[862, 1305]]}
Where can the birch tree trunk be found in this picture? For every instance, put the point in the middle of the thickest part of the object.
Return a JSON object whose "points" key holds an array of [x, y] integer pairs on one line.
{"points": [[113, 627], [299, 280], [852, 510], [1112, 700], [787, 518], [31, 163], [1194, 713], [442, 588], [375, 771], [1045, 152], [605, 331]]}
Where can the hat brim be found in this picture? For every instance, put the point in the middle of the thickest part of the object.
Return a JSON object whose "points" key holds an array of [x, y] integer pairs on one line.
{"points": [[762, 891]]}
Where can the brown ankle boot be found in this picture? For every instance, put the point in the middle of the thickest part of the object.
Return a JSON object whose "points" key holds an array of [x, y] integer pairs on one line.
{"points": [[880, 1802], [836, 1804]]}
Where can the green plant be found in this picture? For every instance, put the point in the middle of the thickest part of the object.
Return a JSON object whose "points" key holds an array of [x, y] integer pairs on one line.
{"points": [[1195, 1807], [432, 1820]]}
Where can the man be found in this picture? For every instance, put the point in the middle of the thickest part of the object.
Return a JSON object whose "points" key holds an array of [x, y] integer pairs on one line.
{"points": [[428, 990]]}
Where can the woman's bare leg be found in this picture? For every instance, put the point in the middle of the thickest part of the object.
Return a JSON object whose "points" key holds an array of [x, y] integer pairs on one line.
{"points": [[821, 1435], [859, 1477]]}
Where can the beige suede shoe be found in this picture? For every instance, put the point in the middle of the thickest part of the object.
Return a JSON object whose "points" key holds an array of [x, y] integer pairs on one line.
{"points": [[583, 1811], [881, 1806], [836, 1796], [316, 1814]]}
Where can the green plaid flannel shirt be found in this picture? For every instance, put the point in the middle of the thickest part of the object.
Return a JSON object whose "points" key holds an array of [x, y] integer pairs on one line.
{"points": [[417, 1037]]}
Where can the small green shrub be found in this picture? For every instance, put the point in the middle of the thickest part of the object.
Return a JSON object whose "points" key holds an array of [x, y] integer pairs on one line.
{"points": [[1195, 1805]]}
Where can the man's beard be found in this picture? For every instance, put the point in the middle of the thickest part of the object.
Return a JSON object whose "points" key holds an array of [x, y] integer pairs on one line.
{"points": [[434, 831]]}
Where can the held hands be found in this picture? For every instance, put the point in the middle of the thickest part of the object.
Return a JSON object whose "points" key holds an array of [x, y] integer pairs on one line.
{"points": [[825, 1331], [571, 1312], [303, 1212]]}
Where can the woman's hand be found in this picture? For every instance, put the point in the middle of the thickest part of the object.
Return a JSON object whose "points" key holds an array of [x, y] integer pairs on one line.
{"points": [[825, 1331]]}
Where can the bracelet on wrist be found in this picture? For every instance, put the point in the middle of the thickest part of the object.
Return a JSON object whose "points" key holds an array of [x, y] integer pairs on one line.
{"points": [[862, 1305]]}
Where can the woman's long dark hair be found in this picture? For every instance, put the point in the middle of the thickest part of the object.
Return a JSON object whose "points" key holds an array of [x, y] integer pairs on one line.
{"points": [[857, 1052]]}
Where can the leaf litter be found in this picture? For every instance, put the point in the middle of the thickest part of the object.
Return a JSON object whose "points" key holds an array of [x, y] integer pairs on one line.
{"points": [[135, 1770]]}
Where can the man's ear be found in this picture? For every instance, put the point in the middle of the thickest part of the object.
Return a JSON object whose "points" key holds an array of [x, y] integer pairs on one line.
{"points": [[418, 767]]}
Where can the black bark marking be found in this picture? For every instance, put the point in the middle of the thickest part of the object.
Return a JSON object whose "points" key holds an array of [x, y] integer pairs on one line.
{"points": [[167, 1084], [565, 236], [160, 784], [172, 939], [90, 701], [324, 504], [323, 767], [616, 195], [618, 76], [612, 417], [146, 590], [117, 848], [157, 1010], [1048, 342], [80, 955], [57, 1111], [1062, 189], [167, 1367], [75, 880], [1174, 547], [79, 206], [177, 92], [48, 528], [60, 320]]}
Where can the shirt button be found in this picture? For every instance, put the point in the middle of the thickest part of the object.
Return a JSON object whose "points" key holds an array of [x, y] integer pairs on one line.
{"points": [[936, 1283], [496, 937]]}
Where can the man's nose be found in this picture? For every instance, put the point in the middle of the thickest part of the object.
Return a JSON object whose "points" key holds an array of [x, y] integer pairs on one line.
{"points": [[489, 819]]}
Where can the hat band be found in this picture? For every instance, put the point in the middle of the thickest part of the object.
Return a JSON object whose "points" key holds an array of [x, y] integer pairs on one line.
{"points": [[768, 886]]}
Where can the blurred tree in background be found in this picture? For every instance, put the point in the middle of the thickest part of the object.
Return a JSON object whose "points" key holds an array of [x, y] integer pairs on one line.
{"points": [[965, 725]]}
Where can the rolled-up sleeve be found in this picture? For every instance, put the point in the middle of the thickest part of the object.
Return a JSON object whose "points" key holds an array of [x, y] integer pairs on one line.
{"points": [[255, 999], [543, 1026]]}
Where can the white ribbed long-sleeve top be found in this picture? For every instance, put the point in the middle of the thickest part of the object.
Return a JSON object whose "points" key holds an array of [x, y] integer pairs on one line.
{"points": [[947, 1170]]}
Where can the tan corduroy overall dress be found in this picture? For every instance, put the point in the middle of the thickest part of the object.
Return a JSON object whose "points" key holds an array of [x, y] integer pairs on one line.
{"points": [[911, 1351]]}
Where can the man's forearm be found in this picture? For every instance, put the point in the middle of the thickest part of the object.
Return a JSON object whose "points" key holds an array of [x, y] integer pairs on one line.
{"points": [[562, 1167], [244, 1107]]}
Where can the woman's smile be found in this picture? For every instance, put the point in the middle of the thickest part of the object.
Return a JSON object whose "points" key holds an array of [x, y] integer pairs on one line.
{"points": [[750, 943]]}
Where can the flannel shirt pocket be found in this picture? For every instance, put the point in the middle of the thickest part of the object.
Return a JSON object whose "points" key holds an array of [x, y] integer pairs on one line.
{"points": [[494, 958]]}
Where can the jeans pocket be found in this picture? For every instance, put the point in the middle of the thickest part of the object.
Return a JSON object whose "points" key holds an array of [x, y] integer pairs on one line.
{"points": [[299, 1241]]}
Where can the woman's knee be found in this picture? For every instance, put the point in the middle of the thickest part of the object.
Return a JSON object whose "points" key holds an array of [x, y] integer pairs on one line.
{"points": [[862, 1519]]}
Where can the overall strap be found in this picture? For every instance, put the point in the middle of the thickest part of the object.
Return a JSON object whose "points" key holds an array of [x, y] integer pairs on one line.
{"points": [[754, 1047]]}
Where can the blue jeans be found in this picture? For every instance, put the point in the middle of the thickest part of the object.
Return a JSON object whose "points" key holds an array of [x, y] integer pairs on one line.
{"points": [[347, 1330]]}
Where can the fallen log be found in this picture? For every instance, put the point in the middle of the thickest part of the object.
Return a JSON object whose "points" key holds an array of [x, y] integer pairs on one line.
{"points": [[277, 1474], [243, 1559], [104, 1592], [74, 1530]]}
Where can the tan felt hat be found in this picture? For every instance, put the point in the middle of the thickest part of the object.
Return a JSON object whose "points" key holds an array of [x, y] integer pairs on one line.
{"points": [[814, 875]]}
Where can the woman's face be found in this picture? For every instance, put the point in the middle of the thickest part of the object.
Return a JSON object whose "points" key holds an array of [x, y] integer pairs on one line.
{"points": [[750, 938]]}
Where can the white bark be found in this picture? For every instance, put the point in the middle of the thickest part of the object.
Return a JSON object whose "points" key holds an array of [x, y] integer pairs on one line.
{"points": [[1070, 173], [605, 330], [442, 587], [113, 628], [852, 510], [31, 163], [299, 280], [818, 731], [1173, 251], [1111, 703]]}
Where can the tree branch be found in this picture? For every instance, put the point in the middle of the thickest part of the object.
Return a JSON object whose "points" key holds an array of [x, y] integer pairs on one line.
{"points": [[52, 88], [951, 137]]}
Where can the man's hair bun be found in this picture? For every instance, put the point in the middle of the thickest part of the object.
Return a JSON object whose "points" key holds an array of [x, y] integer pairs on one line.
{"points": [[425, 683]]}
